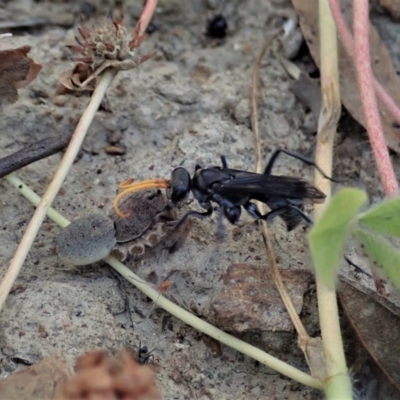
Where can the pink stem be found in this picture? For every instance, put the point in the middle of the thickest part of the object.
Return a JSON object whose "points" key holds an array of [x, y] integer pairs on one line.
{"points": [[343, 30], [367, 94], [347, 41], [145, 18], [387, 100]]}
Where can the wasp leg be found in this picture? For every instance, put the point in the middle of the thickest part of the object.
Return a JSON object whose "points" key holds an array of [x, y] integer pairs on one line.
{"points": [[253, 210], [278, 211], [300, 157], [224, 161], [356, 267], [220, 231], [233, 214], [197, 214]]}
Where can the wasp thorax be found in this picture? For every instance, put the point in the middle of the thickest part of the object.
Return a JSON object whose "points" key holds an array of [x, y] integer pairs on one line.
{"points": [[86, 240]]}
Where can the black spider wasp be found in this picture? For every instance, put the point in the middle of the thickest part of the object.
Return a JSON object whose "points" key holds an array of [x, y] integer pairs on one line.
{"points": [[233, 189]]}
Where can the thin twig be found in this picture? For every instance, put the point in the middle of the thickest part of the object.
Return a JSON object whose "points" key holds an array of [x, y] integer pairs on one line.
{"points": [[259, 168], [174, 309], [338, 382], [31, 153], [30, 23], [368, 99]]}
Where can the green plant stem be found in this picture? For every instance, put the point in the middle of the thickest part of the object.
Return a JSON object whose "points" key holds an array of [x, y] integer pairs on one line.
{"points": [[337, 384], [175, 310]]}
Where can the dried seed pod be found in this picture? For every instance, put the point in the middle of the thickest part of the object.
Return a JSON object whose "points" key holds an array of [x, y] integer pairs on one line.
{"points": [[86, 240], [115, 150]]}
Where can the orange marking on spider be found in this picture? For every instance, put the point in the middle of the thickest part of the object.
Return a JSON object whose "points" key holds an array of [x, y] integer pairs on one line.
{"points": [[128, 186]]}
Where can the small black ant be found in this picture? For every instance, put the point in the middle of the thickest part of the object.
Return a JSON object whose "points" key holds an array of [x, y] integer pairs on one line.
{"points": [[144, 354], [216, 27]]}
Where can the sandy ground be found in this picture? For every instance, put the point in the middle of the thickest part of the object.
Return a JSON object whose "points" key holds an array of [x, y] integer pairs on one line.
{"points": [[188, 104]]}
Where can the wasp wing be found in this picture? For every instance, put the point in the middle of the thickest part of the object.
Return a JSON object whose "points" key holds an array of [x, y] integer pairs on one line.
{"points": [[256, 185]]}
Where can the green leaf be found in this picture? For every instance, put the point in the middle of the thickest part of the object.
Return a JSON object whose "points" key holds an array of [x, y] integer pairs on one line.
{"points": [[383, 218], [385, 255], [326, 238]]}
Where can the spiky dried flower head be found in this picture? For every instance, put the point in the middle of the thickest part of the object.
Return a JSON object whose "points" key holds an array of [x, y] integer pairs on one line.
{"points": [[108, 40], [102, 377], [107, 45]]}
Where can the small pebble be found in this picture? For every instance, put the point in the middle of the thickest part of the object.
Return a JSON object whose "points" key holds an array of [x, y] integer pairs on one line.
{"points": [[115, 137], [116, 150], [86, 240]]}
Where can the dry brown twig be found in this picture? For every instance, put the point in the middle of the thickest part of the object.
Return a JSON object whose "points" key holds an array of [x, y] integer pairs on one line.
{"points": [[31, 153], [72, 150], [259, 168], [322, 362], [311, 347]]}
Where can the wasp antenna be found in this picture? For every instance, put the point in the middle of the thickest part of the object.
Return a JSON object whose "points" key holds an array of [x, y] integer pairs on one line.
{"points": [[224, 161]]}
